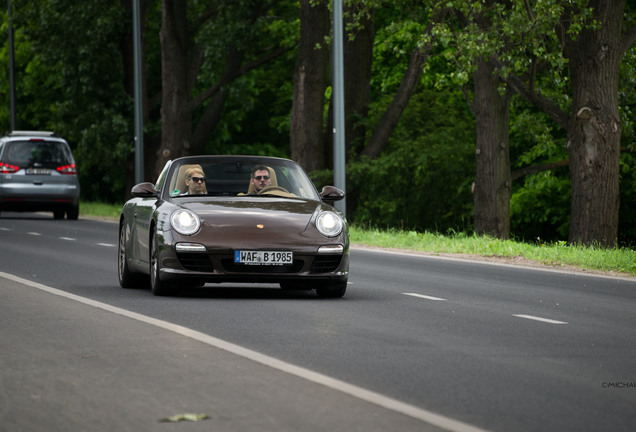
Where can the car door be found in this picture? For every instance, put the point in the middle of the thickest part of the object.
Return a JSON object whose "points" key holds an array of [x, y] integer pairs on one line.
{"points": [[142, 213]]}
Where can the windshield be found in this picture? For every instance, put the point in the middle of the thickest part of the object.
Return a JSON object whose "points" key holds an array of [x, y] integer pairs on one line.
{"points": [[231, 176]]}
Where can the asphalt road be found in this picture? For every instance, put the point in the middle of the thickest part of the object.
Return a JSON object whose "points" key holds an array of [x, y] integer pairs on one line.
{"points": [[418, 343]]}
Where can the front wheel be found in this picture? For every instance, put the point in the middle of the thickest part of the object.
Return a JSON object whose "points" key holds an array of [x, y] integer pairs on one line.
{"points": [[157, 286], [333, 290]]}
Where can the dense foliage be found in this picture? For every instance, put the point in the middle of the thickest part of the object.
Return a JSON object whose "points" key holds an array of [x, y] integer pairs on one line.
{"points": [[72, 77]]}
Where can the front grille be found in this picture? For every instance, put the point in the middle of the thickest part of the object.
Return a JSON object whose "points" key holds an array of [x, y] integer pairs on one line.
{"points": [[325, 263], [195, 261], [230, 266]]}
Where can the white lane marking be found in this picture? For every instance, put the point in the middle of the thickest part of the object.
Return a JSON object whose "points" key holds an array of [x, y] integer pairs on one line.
{"points": [[106, 244], [536, 318], [34, 233], [67, 238], [5, 229], [309, 375], [424, 296]]}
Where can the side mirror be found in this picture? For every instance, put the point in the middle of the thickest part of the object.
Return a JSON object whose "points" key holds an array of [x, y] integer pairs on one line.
{"points": [[144, 190], [331, 194]]}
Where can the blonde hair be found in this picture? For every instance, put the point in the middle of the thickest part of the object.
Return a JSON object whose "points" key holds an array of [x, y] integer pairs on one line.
{"points": [[191, 171]]}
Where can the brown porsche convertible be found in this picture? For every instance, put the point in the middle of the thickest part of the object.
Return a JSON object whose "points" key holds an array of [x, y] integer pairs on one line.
{"points": [[233, 219]]}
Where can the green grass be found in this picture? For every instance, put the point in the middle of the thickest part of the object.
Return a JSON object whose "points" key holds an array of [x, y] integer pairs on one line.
{"points": [[621, 260], [100, 210], [553, 254]]}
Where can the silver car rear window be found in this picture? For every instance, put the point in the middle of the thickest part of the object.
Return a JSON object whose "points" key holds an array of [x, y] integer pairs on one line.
{"points": [[43, 153]]}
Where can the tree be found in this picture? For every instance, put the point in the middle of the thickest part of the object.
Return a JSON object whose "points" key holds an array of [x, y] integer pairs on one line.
{"points": [[366, 141], [191, 106], [74, 85], [389, 120], [529, 39], [418, 139], [492, 187], [490, 105], [310, 78], [593, 126], [358, 62]]}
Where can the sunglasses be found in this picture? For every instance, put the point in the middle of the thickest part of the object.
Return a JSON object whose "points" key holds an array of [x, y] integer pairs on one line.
{"points": [[262, 177], [198, 179]]}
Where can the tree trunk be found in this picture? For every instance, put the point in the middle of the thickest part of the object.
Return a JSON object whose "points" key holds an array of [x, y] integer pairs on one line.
{"points": [[310, 78], [594, 130], [391, 117], [358, 59], [212, 113], [408, 85], [491, 193], [176, 113]]}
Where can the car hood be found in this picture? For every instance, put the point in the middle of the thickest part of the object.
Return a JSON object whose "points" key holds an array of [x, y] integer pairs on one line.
{"points": [[247, 215]]}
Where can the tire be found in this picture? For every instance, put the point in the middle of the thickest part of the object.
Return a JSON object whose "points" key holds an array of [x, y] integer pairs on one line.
{"points": [[334, 290], [157, 286], [72, 213]]}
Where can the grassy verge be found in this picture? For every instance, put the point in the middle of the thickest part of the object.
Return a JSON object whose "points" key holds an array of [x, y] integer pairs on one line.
{"points": [[100, 210], [622, 260]]}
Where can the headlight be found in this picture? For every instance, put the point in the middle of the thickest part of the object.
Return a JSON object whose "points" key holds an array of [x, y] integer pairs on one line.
{"points": [[185, 222], [329, 224]]}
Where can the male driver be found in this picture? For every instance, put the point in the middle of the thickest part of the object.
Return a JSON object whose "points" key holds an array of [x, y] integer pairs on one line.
{"points": [[261, 178]]}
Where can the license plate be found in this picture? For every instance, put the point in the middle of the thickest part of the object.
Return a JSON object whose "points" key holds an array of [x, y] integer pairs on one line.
{"points": [[38, 171], [263, 257]]}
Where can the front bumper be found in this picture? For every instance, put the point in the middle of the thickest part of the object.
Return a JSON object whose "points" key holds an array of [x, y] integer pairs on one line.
{"points": [[217, 265]]}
